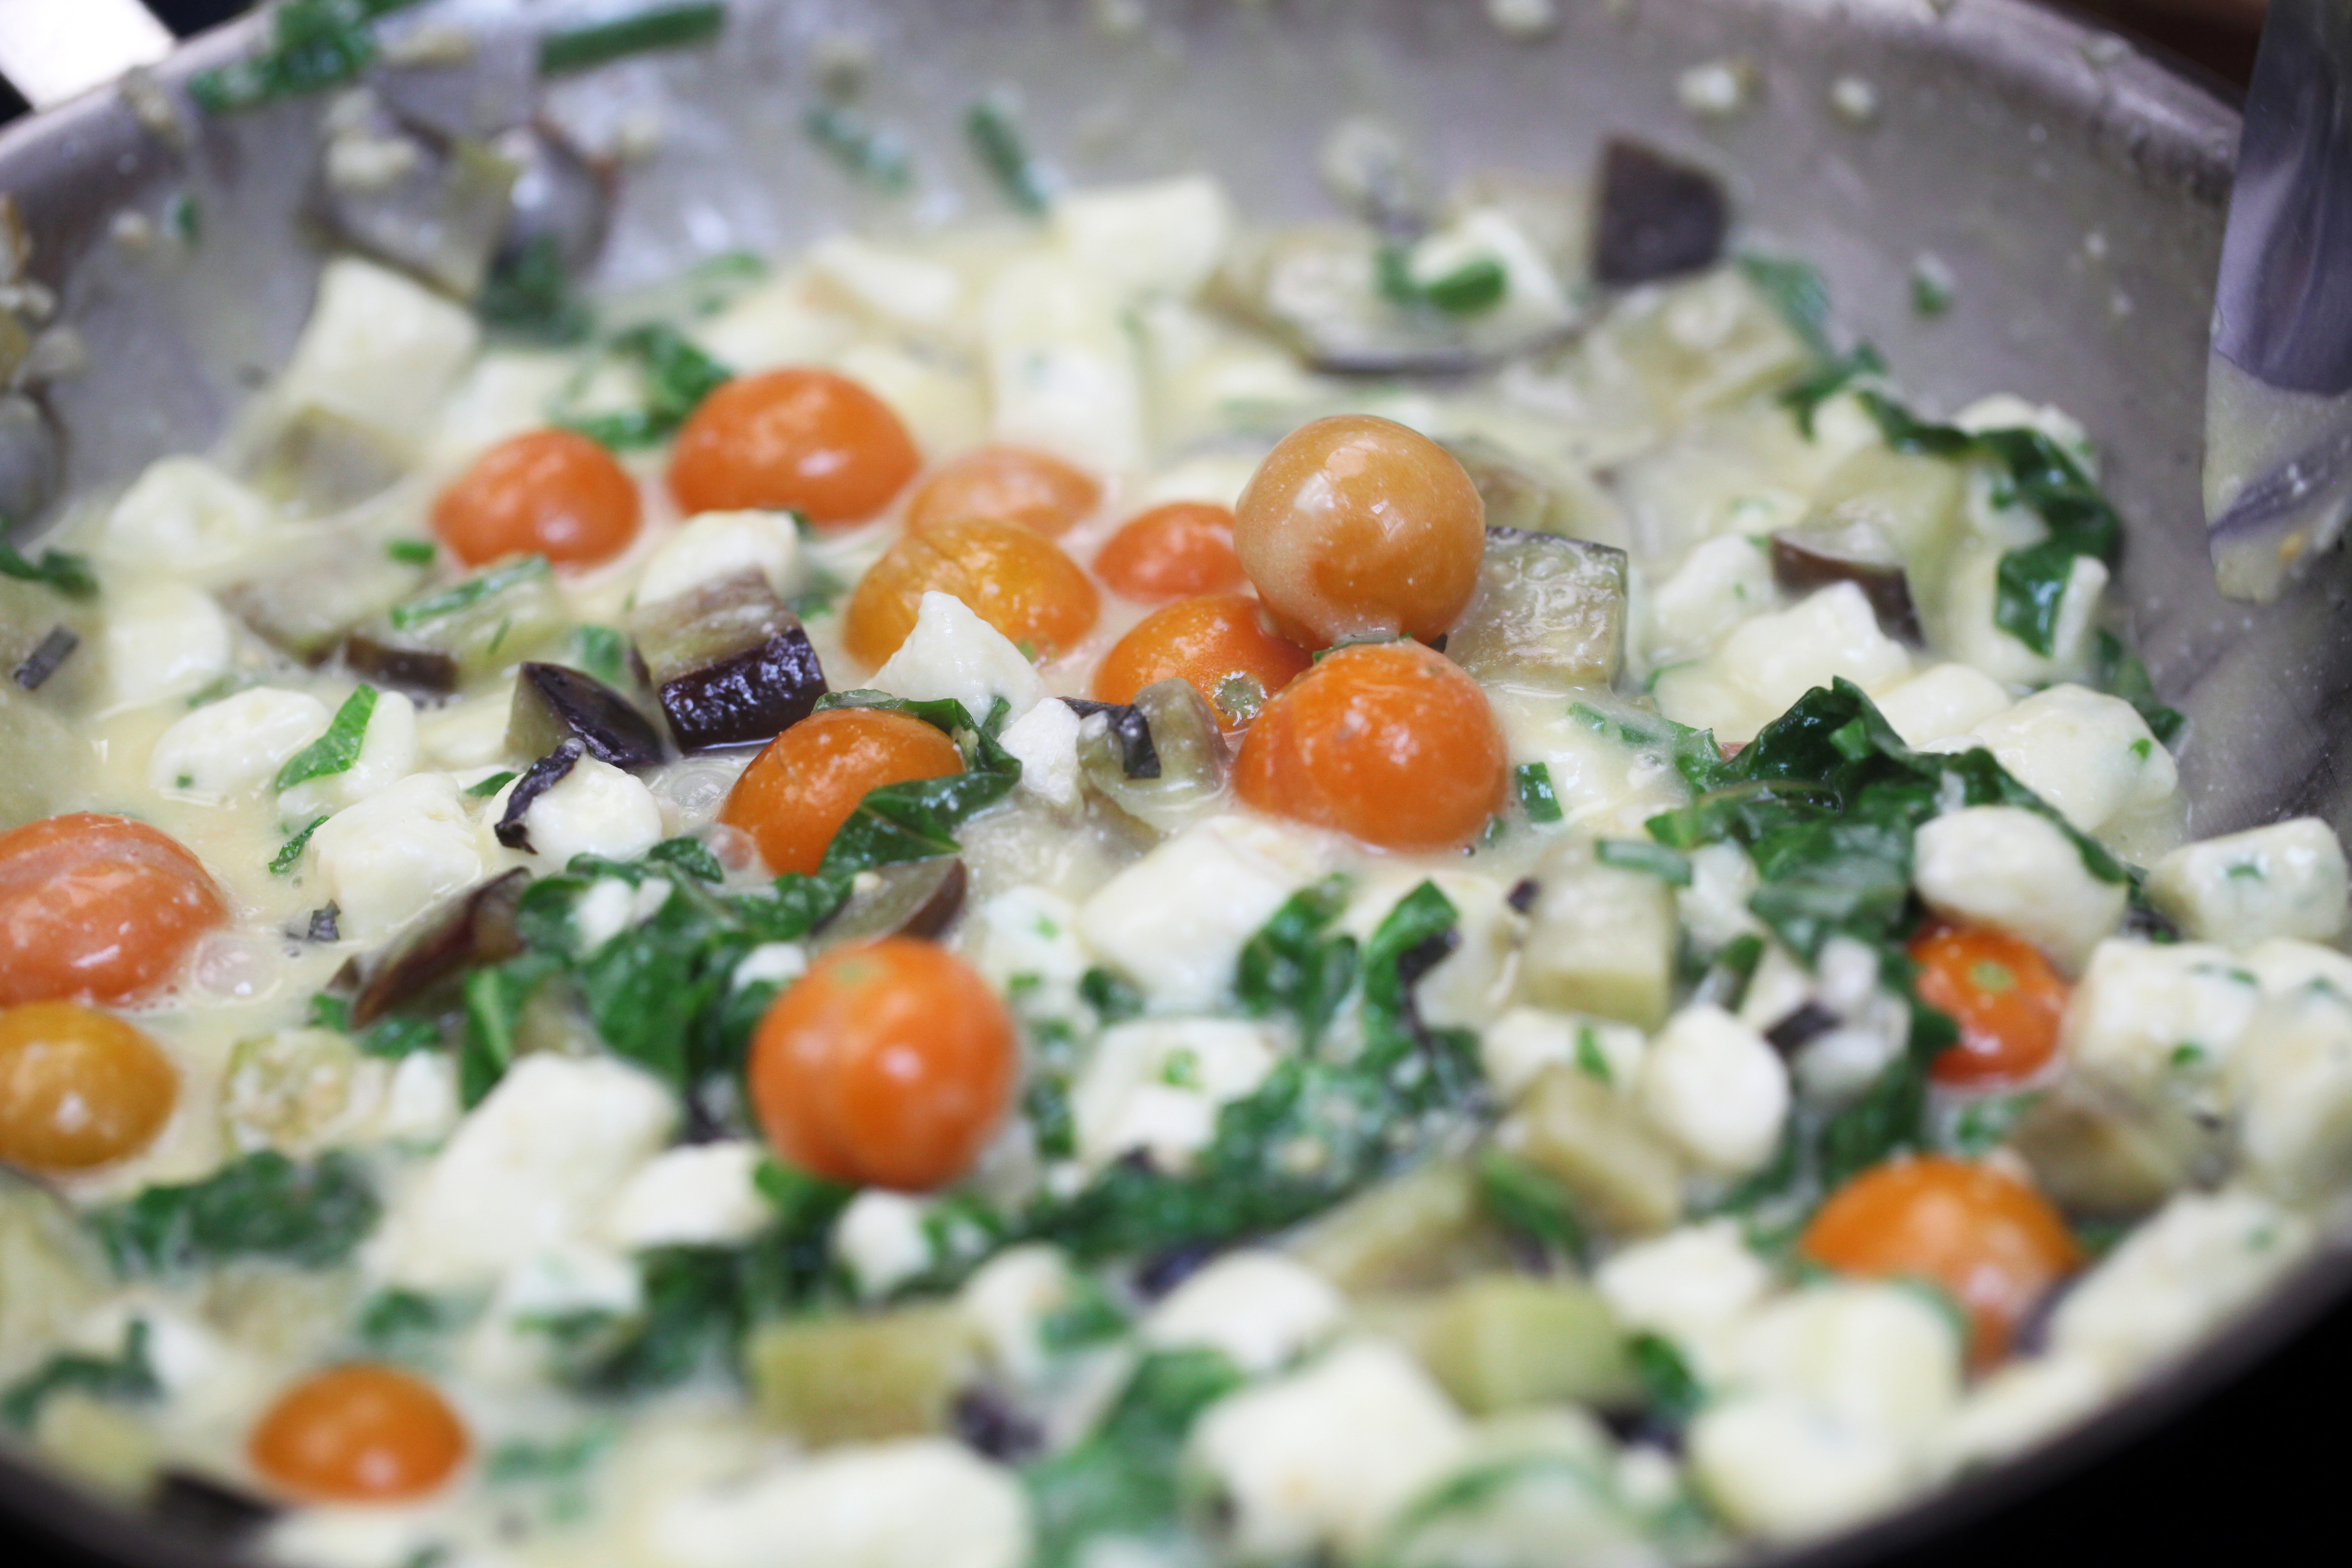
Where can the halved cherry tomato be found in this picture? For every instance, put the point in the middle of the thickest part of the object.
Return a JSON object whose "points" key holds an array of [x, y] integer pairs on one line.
{"points": [[102, 907], [79, 1087], [1990, 1239], [798, 792], [1356, 527], [1220, 643], [1184, 547], [889, 1065], [1010, 484], [2007, 1000], [804, 441], [360, 1433], [1016, 581], [545, 492], [1386, 741]]}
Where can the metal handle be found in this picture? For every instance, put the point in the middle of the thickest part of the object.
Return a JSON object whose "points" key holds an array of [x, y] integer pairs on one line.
{"points": [[51, 51]]}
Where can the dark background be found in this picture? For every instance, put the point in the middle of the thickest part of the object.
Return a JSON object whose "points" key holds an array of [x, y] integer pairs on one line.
{"points": [[2256, 1475]]}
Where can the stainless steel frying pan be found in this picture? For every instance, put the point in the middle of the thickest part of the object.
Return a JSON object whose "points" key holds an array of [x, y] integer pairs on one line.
{"points": [[2073, 190]]}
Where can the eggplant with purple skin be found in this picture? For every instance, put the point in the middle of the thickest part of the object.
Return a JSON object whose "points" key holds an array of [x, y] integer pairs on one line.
{"points": [[1655, 217], [435, 641], [539, 778], [1819, 555], [733, 666], [475, 928], [1176, 775], [553, 704]]}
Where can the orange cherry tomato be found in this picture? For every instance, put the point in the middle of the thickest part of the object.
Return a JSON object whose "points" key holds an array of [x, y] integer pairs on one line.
{"points": [[360, 1433], [1010, 484], [1185, 547], [1017, 581], [1356, 527], [1208, 641], [1390, 743], [888, 1065], [2001, 992], [79, 1087], [1990, 1239], [806, 440], [545, 492], [102, 907], [802, 786]]}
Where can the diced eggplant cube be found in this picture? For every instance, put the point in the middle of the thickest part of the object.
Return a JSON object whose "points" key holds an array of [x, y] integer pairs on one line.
{"points": [[421, 669], [481, 625], [307, 609], [475, 928], [1817, 556], [1549, 611], [1129, 729], [914, 898], [553, 704], [732, 665], [1657, 217]]}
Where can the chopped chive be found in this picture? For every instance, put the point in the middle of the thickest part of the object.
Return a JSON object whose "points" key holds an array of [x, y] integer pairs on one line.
{"points": [[1652, 860], [290, 856], [338, 748], [68, 574], [1537, 798], [491, 786], [1589, 1059], [657, 27], [867, 152], [464, 595], [410, 552], [997, 142]]}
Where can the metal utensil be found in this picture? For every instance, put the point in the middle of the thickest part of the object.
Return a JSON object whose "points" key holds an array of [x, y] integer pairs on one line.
{"points": [[2278, 431]]}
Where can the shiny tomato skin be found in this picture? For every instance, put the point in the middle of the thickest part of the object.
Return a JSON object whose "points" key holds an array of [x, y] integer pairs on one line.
{"points": [[545, 492], [99, 908], [1992, 1241], [1007, 484], [1389, 742], [800, 440], [1356, 527], [890, 1065], [1207, 641], [1013, 578], [806, 782], [1172, 552], [360, 1433], [79, 1087], [2004, 995]]}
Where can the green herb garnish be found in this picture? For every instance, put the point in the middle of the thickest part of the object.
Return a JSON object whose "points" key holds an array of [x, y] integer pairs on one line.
{"points": [[334, 751], [675, 376], [128, 1374], [996, 141], [313, 44], [410, 552], [68, 574], [290, 856], [867, 152], [1537, 798], [264, 1205], [657, 27], [464, 595]]}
